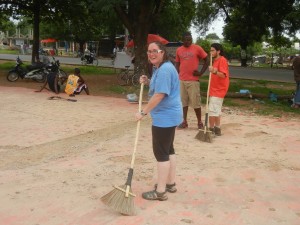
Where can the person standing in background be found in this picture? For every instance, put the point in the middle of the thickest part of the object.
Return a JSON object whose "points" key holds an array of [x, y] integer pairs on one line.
{"points": [[296, 67], [187, 61], [219, 84]]}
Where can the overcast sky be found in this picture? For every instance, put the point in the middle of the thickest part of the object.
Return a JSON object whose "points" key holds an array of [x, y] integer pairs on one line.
{"points": [[215, 27]]}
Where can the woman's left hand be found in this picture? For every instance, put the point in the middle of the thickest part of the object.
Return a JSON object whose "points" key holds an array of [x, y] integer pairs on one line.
{"points": [[138, 116], [144, 79]]}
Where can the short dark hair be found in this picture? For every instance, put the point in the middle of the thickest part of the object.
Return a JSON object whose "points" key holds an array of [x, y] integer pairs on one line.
{"points": [[186, 33], [77, 71], [218, 47]]}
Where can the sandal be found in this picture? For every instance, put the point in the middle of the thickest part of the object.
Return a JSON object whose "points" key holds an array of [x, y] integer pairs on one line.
{"points": [[154, 195], [183, 125], [169, 187], [200, 126]]}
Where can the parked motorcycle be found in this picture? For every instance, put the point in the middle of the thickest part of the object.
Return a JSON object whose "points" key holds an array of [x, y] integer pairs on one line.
{"points": [[55, 67], [89, 58], [35, 72]]}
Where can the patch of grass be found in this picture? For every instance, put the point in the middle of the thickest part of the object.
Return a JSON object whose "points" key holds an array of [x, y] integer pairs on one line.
{"points": [[231, 102], [124, 90], [9, 51], [86, 70], [262, 106], [93, 70], [261, 86], [117, 89], [7, 65], [255, 86]]}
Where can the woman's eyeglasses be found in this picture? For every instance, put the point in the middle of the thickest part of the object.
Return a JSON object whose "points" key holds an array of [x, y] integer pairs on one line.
{"points": [[153, 51]]}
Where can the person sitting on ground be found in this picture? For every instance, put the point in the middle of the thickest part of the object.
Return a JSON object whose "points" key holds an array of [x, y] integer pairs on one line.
{"points": [[52, 81], [75, 84]]}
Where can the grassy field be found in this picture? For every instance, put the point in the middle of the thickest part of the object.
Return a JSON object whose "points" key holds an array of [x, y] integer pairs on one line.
{"points": [[102, 81], [9, 51]]}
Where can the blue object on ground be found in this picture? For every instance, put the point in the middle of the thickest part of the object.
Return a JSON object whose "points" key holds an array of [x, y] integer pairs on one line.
{"points": [[132, 97], [244, 91], [273, 96]]}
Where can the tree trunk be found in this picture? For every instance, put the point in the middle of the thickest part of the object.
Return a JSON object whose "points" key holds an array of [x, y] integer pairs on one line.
{"points": [[141, 31], [36, 31], [140, 49], [243, 57], [81, 46], [138, 21]]}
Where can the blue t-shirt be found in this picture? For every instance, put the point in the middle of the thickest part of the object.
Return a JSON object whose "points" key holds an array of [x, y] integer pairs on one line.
{"points": [[168, 113]]}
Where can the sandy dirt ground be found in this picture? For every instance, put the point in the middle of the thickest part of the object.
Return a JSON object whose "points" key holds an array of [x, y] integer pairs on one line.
{"points": [[58, 158]]}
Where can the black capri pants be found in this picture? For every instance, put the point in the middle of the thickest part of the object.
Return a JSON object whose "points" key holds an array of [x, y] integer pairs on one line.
{"points": [[162, 142]]}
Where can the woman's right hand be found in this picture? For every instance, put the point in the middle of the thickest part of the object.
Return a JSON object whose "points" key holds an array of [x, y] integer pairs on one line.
{"points": [[144, 79]]}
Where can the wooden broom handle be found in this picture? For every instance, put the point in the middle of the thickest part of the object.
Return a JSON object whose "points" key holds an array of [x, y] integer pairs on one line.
{"points": [[208, 87], [130, 174], [137, 127]]}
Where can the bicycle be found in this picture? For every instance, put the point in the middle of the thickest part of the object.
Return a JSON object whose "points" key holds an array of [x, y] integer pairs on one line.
{"points": [[128, 77]]}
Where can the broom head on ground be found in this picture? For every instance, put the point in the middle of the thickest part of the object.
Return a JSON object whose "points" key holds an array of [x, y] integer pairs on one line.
{"points": [[117, 200], [204, 135], [121, 198]]}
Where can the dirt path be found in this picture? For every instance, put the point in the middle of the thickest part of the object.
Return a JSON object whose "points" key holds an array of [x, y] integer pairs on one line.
{"points": [[57, 158]]}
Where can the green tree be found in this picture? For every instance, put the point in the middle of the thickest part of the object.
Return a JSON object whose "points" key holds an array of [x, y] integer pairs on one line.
{"points": [[181, 13], [37, 10], [136, 16], [212, 36], [6, 24], [247, 21], [204, 43], [141, 17]]}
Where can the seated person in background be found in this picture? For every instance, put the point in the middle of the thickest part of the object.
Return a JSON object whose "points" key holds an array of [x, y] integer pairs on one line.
{"points": [[75, 84], [52, 81]]}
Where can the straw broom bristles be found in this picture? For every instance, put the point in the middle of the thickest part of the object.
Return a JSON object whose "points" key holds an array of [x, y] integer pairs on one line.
{"points": [[204, 135], [117, 200]]}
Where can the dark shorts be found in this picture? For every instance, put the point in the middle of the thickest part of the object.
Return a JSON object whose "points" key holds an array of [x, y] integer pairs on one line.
{"points": [[162, 141]]}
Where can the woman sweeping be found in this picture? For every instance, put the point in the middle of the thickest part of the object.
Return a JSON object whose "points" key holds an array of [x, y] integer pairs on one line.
{"points": [[166, 112]]}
